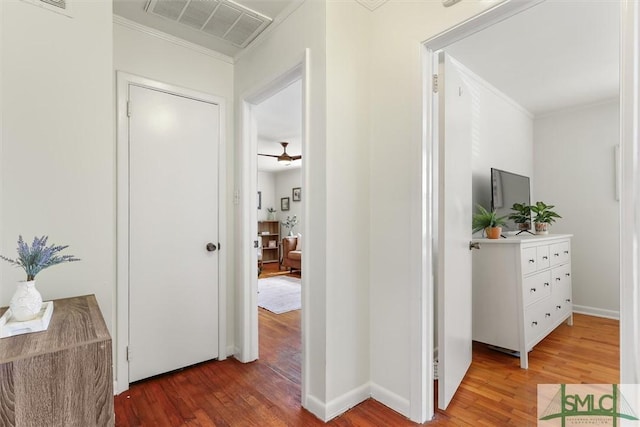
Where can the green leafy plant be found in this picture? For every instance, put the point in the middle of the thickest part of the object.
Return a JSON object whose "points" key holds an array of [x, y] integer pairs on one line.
{"points": [[485, 219], [543, 213], [39, 256], [521, 214]]}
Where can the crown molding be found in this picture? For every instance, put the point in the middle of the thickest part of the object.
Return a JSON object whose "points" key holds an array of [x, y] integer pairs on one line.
{"points": [[372, 4], [119, 20]]}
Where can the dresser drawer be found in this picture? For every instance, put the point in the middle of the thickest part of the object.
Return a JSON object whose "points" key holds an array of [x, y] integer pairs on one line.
{"points": [[542, 257], [559, 253], [529, 261], [561, 278], [537, 318], [562, 295], [536, 287]]}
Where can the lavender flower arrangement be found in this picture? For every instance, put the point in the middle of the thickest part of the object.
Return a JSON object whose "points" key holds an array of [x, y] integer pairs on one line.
{"points": [[39, 256]]}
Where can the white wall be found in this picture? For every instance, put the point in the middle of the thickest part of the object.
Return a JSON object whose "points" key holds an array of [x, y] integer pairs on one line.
{"points": [[267, 186], [574, 170], [348, 194], [502, 136], [396, 265], [58, 152], [271, 57], [137, 52], [284, 182]]}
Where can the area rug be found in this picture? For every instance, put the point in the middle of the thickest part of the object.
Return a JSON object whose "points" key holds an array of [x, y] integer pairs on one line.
{"points": [[279, 294]]}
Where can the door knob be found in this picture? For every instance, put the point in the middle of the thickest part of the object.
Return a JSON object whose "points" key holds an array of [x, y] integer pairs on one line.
{"points": [[474, 245], [211, 247]]}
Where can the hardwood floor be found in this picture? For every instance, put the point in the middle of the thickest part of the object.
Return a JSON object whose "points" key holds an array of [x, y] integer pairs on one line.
{"points": [[271, 269], [495, 392]]}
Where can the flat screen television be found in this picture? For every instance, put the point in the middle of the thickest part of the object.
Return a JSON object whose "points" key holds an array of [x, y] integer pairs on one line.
{"points": [[508, 188]]}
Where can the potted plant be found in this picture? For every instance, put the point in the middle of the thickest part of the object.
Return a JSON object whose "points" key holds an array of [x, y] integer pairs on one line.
{"points": [[521, 216], [490, 222], [27, 301], [271, 214], [544, 216]]}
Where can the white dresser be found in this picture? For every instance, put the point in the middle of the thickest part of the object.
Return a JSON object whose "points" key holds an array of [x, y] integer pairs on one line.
{"points": [[521, 290]]}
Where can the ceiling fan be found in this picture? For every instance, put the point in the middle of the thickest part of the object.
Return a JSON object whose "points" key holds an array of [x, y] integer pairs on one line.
{"points": [[283, 158]]}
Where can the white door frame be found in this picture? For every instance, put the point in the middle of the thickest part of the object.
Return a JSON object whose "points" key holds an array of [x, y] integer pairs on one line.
{"points": [[124, 80], [629, 200], [246, 297]]}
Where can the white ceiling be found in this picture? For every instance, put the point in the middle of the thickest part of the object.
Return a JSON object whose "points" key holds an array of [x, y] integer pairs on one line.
{"points": [[279, 118], [555, 55], [134, 11]]}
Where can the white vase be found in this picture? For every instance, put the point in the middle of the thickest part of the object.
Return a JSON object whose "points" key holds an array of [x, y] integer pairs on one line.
{"points": [[26, 301], [542, 228]]}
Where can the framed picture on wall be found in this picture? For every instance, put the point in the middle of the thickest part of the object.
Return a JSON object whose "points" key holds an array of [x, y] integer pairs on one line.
{"points": [[296, 194], [259, 199], [284, 204]]}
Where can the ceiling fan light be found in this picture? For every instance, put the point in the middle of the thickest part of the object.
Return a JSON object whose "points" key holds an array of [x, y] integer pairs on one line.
{"points": [[285, 161]]}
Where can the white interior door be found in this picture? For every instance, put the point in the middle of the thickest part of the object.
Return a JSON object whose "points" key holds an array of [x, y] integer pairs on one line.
{"points": [[173, 216], [454, 234]]}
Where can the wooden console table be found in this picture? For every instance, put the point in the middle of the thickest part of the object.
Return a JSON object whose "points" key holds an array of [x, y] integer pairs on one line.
{"points": [[61, 376]]}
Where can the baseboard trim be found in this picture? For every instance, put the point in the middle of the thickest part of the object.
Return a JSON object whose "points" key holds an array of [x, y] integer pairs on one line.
{"points": [[597, 312], [232, 350], [391, 400], [338, 406], [316, 407], [347, 401]]}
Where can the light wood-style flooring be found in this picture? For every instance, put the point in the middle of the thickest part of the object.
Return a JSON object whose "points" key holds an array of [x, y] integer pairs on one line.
{"points": [[495, 392]]}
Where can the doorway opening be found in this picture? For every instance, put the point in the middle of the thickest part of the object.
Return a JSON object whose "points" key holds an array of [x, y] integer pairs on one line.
{"points": [[279, 182], [442, 42], [273, 194]]}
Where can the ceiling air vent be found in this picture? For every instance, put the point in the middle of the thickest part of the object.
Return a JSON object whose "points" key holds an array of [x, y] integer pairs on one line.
{"points": [[62, 4], [59, 6], [224, 19]]}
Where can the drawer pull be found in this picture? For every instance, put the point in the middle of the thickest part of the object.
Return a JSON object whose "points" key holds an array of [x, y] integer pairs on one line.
{"points": [[531, 261], [547, 315], [546, 284], [558, 279], [567, 300], [532, 290], [556, 254], [545, 257], [567, 274], [566, 252], [558, 307], [534, 323]]}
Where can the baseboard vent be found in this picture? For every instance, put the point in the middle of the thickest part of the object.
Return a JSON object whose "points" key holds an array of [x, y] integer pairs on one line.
{"points": [[223, 19]]}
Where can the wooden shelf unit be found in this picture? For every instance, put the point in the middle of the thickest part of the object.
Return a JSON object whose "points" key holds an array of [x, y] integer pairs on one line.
{"points": [[269, 231], [61, 376]]}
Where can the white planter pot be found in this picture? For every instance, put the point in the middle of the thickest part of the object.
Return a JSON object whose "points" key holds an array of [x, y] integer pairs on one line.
{"points": [[542, 228], [26, 301]]}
